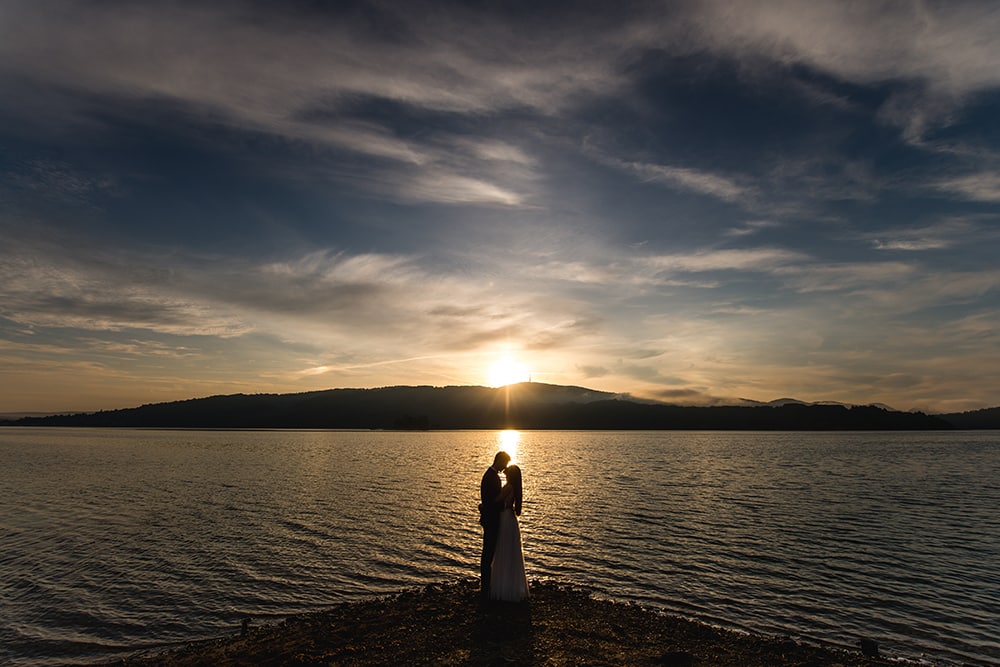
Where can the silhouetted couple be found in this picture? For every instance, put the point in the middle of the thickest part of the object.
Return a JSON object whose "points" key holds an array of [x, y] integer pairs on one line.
{"points": [[502, 566]]}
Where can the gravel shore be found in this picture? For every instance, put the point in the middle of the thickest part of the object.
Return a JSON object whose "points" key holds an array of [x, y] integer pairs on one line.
{"points": [[447, 624]]}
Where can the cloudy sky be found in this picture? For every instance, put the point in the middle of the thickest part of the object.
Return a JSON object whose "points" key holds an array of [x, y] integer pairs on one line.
{"points": [[690, 201]]}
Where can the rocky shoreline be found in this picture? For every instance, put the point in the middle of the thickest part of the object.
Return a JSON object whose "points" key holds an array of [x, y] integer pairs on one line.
{"points": [[448, 624]]}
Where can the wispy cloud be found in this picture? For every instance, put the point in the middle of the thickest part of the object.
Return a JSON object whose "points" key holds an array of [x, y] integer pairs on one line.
{"points": [[938, 236], [845, 276], [691, 179], [267, 69], [103, 296], [752, 227], [305, 80], [229, 58], [682, 270], [298, 80], [982, 186], [946, 52], [331, 299], [766, 260], [456, 189]]}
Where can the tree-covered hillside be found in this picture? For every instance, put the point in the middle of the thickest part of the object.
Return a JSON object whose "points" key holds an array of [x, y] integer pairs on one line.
{"points": [[525, 406]]}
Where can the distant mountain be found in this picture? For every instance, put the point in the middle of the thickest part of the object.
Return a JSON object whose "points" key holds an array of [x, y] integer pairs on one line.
{"points": [[10, 416], [781, 402], [529, 405]]}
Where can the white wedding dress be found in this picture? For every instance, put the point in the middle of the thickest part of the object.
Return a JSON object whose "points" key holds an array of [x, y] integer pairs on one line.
{"points": [[508, 582]]}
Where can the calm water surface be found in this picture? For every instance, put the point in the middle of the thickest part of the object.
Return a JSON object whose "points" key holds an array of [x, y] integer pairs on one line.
{"points": [[121, 540]]}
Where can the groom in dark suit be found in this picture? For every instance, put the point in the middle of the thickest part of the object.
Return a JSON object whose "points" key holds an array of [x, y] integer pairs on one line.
{"points": [[489, 518]]}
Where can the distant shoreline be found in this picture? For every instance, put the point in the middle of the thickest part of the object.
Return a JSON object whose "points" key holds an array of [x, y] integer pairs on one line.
{"points": [[527, 406], [447, 624]]}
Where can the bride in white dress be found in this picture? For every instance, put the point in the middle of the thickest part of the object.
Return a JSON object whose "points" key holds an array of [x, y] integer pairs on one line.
{"points": [[508, 582]]}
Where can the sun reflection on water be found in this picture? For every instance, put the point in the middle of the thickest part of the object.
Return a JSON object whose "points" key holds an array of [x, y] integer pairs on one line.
{"points": [[508, 441]]}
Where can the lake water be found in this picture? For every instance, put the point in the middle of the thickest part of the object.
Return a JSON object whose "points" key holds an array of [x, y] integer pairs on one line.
{"points": [[121, 540]]}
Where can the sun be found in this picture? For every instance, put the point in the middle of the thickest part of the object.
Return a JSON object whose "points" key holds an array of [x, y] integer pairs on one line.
{"points": [[507, 370]]}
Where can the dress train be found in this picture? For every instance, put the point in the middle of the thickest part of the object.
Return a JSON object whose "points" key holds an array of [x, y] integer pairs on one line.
{"points": [[509, 582]]}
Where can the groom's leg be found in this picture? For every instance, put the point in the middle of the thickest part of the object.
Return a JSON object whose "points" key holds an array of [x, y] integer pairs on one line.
{"points": [[491, 531]]}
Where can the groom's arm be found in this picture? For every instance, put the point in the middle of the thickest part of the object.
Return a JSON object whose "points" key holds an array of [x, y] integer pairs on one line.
{"points": [[485, 489], [489, 489]]}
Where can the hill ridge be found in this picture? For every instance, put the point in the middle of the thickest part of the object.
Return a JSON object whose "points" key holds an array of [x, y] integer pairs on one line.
{"points": [[527, 405]]}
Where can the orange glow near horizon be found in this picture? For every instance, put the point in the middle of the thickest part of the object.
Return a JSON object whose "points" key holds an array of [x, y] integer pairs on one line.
{"points": [[507, 370]]}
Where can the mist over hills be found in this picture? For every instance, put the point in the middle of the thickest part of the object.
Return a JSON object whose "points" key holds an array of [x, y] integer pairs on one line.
{"points": [[528, 405]]}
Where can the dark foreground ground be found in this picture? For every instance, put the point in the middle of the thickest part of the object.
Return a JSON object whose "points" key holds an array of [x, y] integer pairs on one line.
{"points": [[448, 625]]}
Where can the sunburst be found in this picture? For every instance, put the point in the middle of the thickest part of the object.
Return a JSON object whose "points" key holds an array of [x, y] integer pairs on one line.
{"points": [[507, 370]]}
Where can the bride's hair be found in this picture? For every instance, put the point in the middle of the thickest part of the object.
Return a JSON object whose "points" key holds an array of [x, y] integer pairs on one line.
{"points": [[513, 475]]}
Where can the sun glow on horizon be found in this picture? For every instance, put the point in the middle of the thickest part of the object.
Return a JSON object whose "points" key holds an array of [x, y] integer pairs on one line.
{"points": [[507, 370]]}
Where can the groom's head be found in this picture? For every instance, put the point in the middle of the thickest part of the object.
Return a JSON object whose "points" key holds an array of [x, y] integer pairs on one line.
{"points": [[501, 460]]}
